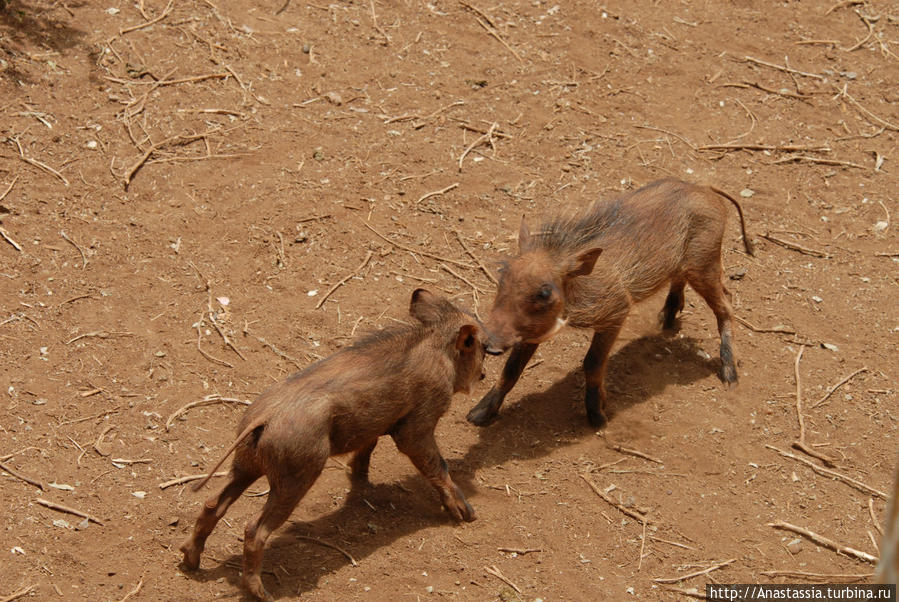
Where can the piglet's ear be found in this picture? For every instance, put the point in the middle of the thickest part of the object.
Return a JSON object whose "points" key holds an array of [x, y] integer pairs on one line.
{"points": [[524, 236], [425, 306], [467, 338], [583, 263]]}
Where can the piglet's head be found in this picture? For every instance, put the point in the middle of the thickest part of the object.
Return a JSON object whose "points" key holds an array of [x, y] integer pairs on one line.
{"points": [[467, 337], [530, 298]]}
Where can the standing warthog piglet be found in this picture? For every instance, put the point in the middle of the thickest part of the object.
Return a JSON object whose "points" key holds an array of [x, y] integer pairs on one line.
{"points": [[397, 382], [589, 269]]}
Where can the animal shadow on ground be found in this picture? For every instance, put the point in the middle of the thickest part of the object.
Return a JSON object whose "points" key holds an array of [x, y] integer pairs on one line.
{"points": [[32, 20], [377, 515]]}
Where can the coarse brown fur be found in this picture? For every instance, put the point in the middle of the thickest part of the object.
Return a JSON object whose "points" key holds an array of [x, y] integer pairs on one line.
{"points": [[888, 566], [589, 269], [397, 382]]}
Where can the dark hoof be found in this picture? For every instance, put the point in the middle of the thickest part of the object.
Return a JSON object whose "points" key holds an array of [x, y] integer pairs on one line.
{"points": [[729, 376], [481, 417], [597, 419]]}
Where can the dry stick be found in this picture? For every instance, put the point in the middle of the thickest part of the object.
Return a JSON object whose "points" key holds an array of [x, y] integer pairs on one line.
{"points": [[633, 452], [462, 278], [642, 546], [830, 473], [843, 4], [492, 570], [887, 254], [244, 86], [823, 577], [428, 195], [99, 334], [155, 147], [343, 280], [800, 443], [837, 386], [134, 591], [782, 68], [171, 82], [225, 337], [671, 543], [874, 520], [520, 551], [844, 93], [274, 349], [778, 329], [678, 136], [817, 160], [632, 513], [22, 477], [690, 593], [748, 84], [8, 188], [374, 20], [9, 239], [328, 545], [164, 14], [68, 510], [417, 251], [825, 542], [695, 574], [208, 400], [869, 23], [477, 260], [477, 141], [86, 418], [490, 26], [796, 247], [18, 594], [189, 478], [765, 147], [74, 244], [37, 163], [209, 357]]}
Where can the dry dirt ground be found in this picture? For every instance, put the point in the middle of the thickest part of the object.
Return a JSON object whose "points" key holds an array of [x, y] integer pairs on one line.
{"points": [[172, 175]]}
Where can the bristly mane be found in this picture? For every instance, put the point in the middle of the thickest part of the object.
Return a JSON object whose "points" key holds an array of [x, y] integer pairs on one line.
{"points": [[564, 234]]}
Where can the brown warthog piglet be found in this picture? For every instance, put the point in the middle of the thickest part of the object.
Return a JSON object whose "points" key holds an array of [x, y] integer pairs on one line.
{"points": [[589, 269], [396, 382]]}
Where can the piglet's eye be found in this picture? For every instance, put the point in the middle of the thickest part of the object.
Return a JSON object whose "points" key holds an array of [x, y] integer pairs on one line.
{"points": [[545, 292]]}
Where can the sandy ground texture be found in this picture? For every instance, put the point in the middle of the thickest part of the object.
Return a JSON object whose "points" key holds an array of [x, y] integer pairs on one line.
{"points": [[182, 184]]}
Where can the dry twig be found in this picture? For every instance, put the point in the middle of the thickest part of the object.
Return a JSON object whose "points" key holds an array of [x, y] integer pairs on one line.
{"points": [[624, 509], [800, 443], [476, 259], [714, 567], [488, 137], [820, 577], [189, 478], [428, 195], [207, 355], [8, 188], [68, 510], [520, 551], [22, 477], [417, 251], [776, 329], [825, 542], [488, 24], [74, 244], [749, 59], [135, 591], [18, 594], [837, 386], [492, 570], [632, 452], [9, 239], [833, 474], [208, 400], [37, 163], [343, 280], [329, 545], [165, 13], [796, 247]]}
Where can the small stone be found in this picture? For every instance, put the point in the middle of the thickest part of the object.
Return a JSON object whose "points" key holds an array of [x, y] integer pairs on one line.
{"points": [[84, 524], [312, 293], [61, 524], [817, 299], [881, 226], [17, 550], [91, 144], [307, 48], [430, 589], [334, 98], [795, 546], [830, 346], [139, 494], [747, 193], [738, 274]]}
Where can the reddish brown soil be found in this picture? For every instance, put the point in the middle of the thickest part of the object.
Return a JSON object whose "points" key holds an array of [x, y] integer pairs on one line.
{"points": [[322, 125]]}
